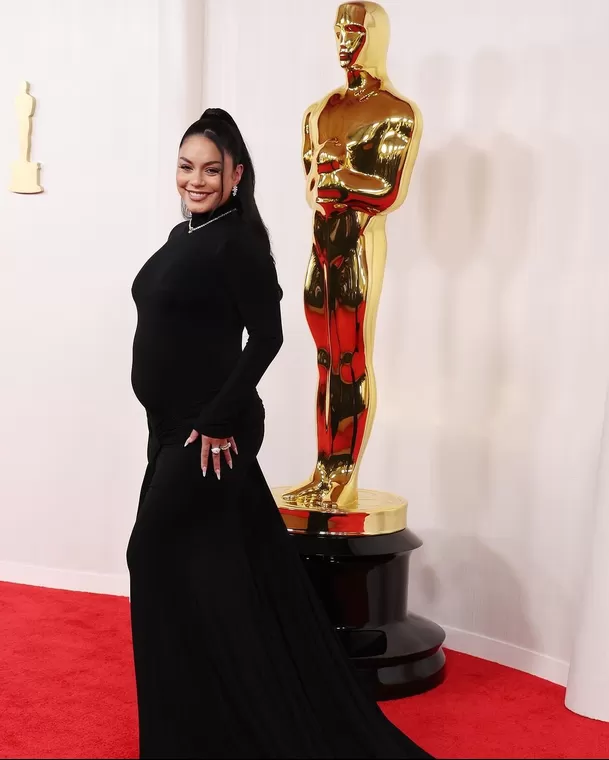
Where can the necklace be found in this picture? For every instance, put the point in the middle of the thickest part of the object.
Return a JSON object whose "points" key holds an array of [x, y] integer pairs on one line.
{"points": [[215, 219]]}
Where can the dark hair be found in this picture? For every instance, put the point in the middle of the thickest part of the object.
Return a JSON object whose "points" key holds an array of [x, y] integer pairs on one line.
{"points": [[220, 127]]}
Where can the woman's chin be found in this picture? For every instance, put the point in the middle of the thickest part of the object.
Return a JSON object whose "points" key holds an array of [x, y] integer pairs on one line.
{"points": [[200, 208]]}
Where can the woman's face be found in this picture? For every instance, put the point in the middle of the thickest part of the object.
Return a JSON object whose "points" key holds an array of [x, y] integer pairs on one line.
{"points": [[199, 177]]}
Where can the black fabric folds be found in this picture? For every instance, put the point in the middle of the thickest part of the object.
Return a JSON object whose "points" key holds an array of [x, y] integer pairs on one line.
{"points": [[234, 655]]}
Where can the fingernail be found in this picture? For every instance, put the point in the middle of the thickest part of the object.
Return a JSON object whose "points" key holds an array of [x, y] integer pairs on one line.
{"points": [[187, 442], [218, 475], [230, 464], [204, 471]]}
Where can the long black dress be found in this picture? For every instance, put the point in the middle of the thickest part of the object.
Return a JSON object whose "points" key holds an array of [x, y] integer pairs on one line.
{"points": [[234, 656]]}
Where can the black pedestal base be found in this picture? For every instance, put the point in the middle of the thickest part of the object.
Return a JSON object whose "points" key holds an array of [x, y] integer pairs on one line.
{"points": [[363, 583]]}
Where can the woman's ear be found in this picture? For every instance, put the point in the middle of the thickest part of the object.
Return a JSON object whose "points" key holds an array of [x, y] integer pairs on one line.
{"points": [[238, 174]]}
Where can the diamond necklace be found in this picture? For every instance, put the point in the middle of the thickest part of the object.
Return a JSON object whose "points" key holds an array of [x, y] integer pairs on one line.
{"points": [[215, 219]]}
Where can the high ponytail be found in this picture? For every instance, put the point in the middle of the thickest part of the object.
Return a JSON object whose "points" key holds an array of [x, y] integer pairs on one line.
{"points": [[221, 114], [220, 127]]}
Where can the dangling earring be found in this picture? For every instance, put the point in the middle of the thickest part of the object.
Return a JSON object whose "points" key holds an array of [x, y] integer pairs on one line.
{"points": [[235, 188]]}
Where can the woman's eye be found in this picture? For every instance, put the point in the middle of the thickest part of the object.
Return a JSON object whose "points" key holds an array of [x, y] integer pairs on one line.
{"points": [[184, 167]]}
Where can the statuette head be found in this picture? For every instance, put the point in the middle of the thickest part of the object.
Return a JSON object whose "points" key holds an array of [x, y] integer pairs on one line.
{"points": [[362, 35]]}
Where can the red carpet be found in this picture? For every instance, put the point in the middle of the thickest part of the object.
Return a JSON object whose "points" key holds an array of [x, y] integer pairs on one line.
{"points": [[66, 691]]}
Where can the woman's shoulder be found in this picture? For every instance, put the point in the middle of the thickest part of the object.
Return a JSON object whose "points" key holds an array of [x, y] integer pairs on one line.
{"points": [[246, 258], [179, 229], [242, 240]]}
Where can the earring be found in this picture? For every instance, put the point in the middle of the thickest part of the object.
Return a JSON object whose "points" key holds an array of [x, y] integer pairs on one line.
{"points": [[185, 212], [235, 188]]}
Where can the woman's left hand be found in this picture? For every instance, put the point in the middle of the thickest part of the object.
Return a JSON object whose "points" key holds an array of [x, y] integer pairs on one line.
{"points": [[217, 447]]}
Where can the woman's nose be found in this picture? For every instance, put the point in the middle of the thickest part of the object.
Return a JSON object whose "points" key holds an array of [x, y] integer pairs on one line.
{"points": [[198, 180]]}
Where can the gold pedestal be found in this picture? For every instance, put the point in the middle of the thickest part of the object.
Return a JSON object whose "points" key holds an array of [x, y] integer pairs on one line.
{"points": [[25, 178], [377, 513]]}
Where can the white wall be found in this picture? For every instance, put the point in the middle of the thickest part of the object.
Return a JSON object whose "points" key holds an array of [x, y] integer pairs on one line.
{"points": [[492, 338], [116, 83], [588, 684], [491, 345]]}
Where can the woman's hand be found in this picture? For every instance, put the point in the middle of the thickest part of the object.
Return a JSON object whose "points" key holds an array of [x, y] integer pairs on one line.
{"points": [[217, 447]]}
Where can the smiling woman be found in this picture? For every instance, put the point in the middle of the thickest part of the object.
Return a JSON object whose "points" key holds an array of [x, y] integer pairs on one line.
{"points": [[205, 178], [234, 655], [214, 162]]}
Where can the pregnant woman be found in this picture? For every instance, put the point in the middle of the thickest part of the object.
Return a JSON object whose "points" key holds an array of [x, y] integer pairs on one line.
{"points": [[234, 655]]}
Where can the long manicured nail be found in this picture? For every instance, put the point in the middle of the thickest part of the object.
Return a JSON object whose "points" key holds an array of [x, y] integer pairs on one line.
{"points": [[230, 464], [187, 442], [218, 474], [204, 471]]}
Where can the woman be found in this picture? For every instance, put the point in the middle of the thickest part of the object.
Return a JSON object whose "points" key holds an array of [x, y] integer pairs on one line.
{"points": [[234, 656]]}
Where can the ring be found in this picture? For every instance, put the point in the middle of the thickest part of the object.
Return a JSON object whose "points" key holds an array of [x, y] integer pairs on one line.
{"points": [[225, 447], [215, 450]]}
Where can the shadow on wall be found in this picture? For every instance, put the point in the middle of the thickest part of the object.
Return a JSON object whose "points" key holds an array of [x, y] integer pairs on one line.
{"points": [[496, 219], [477, 195]]}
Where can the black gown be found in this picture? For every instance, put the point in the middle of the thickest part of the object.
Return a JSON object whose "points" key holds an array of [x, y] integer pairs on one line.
{"points": [[234, 655]]}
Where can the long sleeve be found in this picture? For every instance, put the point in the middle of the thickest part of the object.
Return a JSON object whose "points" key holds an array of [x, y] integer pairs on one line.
{"points": [[251, 280]]}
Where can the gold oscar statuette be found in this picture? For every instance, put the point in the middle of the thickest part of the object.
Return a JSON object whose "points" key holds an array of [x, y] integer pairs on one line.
{"points": [[25, 173], [360, 143]]}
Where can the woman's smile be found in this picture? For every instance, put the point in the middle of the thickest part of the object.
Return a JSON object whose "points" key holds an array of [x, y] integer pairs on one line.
{"points": [[197, 195]]}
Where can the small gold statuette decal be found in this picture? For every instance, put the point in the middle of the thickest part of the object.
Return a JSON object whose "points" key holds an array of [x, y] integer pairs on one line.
{"points": [[25, 177]]}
